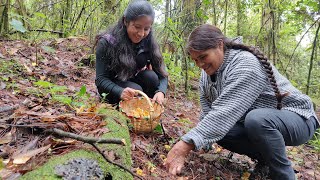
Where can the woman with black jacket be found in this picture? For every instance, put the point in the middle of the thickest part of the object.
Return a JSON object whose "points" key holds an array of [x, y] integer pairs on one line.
{"points": [[128, 57]]}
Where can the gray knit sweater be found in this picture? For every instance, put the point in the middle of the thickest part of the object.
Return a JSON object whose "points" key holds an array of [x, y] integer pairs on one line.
{"points": [[241, 85]]}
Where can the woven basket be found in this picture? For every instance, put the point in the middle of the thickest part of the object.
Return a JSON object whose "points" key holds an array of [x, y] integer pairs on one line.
{"points": [[146, 121]]}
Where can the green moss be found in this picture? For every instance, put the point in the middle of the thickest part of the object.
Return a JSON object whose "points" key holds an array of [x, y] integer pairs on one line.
{"points": [[117, 124]]}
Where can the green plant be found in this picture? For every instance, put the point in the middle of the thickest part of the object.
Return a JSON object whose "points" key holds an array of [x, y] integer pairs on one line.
{"points": [[78, 99], [315, 141]]}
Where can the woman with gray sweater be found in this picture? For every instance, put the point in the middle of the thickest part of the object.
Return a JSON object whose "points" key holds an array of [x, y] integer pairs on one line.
{"points": [[248, 107]]}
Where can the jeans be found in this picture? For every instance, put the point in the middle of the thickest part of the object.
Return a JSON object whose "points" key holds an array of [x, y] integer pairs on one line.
{"points": [[264, 134]]}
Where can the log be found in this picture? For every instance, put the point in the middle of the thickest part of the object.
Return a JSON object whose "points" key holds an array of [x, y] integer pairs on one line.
{"points": [[47, 171]]}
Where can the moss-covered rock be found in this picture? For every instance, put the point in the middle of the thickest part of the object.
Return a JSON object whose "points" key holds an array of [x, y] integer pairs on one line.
{"points": [[117, 124]]}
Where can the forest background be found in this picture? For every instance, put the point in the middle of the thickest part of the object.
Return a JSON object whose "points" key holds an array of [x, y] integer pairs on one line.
{"points": [[287, 31]]}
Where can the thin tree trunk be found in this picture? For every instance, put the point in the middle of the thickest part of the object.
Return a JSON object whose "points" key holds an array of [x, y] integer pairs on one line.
{"points": [[4, 23], [239, 17], [79, 16], [225, 18], [311, 59], [166, 15], [65, 15], [214, 12], [22, 11], [273, 31]]}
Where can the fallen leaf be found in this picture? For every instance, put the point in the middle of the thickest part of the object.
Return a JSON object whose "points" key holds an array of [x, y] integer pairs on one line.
{"points": [[209, 157], [218, 150], [150, 166], [32, 144], [29, 70], [13, 51], [163, 157], [2, 85], [6, 138], [179, 114], [167, 147], [139, 172], [80, 110], [309, 165], [182, 178], [111, 155], [43, 78], [245, 176], [310, 172], [24, 157]]}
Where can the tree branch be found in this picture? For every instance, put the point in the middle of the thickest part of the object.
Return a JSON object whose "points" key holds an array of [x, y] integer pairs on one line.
{"points": [[299, 43], [114, 163], [89, 140], [92, 142], [40, 30], [261, 29]]}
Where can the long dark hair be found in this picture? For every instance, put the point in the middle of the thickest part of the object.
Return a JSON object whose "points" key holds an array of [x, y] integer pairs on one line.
{"points": [[208, 36], [122, 52]]}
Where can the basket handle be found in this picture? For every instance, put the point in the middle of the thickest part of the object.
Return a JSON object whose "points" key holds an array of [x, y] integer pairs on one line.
{"points": [[147, 98]]}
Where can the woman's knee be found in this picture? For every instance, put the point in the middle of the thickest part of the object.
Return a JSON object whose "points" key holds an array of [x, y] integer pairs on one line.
{"points": [[151, 77]]}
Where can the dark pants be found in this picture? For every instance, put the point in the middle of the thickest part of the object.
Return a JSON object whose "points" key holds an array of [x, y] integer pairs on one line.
{"points": [[146, 81], [264, 134]]}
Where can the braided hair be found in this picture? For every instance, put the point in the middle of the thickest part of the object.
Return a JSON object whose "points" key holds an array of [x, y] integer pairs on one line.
{"points": [[208, 36]]}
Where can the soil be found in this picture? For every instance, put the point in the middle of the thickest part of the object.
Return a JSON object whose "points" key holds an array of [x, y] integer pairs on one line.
{"points": [[68, 63]]}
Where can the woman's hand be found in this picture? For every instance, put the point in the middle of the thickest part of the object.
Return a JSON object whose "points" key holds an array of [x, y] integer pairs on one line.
{"points": [[128, 93], [159, 97], [176, 157]]}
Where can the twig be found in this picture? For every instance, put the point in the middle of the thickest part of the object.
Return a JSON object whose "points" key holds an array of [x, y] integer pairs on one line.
{"points": [[92, 142], [24, 55], [89, 140], [164, 133], [114, 163], [39, 30]]}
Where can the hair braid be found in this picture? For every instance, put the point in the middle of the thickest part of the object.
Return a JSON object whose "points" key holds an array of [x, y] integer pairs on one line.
{"points": [[267, 66]]}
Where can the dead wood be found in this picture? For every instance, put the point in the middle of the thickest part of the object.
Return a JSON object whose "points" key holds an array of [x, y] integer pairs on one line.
{"points": [[89, 140], [92, 141]]}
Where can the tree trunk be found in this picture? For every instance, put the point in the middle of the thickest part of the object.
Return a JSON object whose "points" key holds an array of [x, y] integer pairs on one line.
{"points": [[239, 15], [214, 13], [273, 31], [311, 59], [65, 17], [22, 11], [225, 18], [4, 21], [167, 13]]}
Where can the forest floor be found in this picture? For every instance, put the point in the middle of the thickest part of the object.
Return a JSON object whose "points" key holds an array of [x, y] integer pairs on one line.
{"points": [[25, 68]]}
